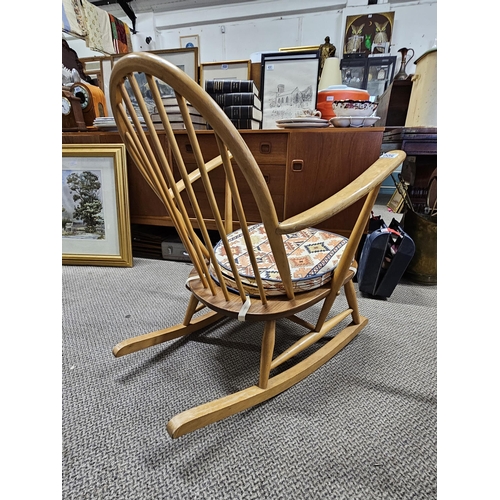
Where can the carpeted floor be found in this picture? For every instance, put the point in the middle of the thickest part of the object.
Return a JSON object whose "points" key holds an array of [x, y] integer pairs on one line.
{"points": [[363, 426]]}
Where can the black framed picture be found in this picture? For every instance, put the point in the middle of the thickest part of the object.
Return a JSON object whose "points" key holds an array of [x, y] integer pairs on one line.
{"points": [[289, 85]]}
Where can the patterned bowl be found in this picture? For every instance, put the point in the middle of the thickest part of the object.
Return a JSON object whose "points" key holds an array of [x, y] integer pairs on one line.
{"points": [[351, 108]]}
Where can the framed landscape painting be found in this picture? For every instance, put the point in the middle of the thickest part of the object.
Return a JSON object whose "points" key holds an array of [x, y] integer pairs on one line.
{"points": [[95, 209]]}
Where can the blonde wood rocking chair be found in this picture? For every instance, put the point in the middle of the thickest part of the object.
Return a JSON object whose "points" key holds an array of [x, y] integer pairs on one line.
{"points": [[266, 272]]}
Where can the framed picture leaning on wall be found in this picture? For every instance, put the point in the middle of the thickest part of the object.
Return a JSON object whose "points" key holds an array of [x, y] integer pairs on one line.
{"points": [[289, 84], [185, 59], [225, 70], [95, 208], [190, 41]]}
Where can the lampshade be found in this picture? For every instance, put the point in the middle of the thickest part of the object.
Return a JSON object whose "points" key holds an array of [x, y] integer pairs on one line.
{"points": [[331, 74]]}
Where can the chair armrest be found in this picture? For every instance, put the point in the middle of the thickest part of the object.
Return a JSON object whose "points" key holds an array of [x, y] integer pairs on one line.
{"points": [[371, 178]]}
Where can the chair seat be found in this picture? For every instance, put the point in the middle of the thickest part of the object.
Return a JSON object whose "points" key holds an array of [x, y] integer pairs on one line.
{"points": [[313, 255]]}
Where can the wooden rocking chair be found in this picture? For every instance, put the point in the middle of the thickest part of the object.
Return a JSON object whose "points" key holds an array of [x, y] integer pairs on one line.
{"points": [[266, 272]]}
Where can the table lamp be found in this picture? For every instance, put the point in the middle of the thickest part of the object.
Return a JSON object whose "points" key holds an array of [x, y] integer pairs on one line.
{"points": [[331, 74]]}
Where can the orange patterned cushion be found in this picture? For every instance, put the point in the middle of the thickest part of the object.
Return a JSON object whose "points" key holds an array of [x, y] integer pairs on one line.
{"points": [[313, 255]]}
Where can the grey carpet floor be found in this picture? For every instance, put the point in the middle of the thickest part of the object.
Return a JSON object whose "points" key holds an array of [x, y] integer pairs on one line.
{"points": [[363, 426]]}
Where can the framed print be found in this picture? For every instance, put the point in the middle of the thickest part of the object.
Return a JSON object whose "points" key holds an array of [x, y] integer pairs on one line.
{"points": [[225, 70], [368, 33], [95, 209], [189, 42], [185, 59], [289, 84], [397, 201]]}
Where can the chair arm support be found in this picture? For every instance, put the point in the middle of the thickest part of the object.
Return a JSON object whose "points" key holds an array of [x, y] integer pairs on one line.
{"points": [[370, 179], [195, 175]]}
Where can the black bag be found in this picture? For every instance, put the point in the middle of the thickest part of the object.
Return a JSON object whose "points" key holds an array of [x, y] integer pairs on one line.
{"points": [[386, 253]]}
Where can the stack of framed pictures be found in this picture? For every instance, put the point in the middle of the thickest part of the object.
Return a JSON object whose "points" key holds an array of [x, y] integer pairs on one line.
{"points": [[184, 58]]}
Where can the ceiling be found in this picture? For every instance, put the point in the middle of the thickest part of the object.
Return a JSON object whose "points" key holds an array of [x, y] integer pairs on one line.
{"points": [[133, 7], [144, 6]]}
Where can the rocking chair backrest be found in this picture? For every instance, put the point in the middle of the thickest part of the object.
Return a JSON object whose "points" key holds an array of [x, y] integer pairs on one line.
{"points": [[132, 116], [134, 76]]}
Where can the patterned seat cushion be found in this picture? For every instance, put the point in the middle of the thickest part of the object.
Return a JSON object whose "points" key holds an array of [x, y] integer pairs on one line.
{"points": [[313, 255]]}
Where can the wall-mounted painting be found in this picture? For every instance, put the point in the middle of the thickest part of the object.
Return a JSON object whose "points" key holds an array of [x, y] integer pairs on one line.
{"points": [[368, 33]]}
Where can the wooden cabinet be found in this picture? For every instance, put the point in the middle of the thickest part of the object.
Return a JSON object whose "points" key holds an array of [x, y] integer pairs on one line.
{"points": [[301, 166]]}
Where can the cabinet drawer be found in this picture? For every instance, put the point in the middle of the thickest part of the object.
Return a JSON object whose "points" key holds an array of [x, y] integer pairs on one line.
{"points": [[274, 176], [251, 211], [420, 147], [269, 150]]}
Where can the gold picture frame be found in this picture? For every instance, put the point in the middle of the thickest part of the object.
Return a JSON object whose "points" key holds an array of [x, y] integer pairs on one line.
{"points": [[299, 48], [238, 69], [368, 34], [97, 233], [397, 202]]}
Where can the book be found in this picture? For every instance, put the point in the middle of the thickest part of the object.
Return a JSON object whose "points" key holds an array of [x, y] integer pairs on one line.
{"points": [[239, 112], [177, 117], [236, 99], [231, 86]]}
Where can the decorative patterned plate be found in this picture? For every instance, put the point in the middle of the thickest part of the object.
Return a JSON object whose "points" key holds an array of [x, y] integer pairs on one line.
{"points": [[303, 125], [308, 119]]}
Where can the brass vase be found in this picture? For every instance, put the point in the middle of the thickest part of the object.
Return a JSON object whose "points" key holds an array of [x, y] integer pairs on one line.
{"points": [[401, 75]]}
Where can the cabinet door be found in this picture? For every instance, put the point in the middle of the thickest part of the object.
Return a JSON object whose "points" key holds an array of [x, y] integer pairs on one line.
{"points": [[269, 151], [321, 163], [145, 206]]}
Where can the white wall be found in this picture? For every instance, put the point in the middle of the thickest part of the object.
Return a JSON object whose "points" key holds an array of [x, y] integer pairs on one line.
{"points": [[267, 25]]}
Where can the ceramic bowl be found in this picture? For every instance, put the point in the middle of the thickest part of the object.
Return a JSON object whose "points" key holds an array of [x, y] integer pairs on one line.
{"points": [[357, 121], [340, 121], [368, 122], [352, 108], [337, 93], [353, 121]]}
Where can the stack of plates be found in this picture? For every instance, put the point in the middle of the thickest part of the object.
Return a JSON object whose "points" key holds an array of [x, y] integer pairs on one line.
{"points": [[306, 122], [108, 123]]}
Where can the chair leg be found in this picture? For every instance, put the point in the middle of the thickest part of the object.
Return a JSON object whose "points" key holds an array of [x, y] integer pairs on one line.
{"points": [[352, 300], [208, 413], [266, 353], [188, 326], [191, 309]]}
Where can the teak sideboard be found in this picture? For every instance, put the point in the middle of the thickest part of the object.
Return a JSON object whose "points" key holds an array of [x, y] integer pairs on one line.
{"points": [[301, 166]]}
